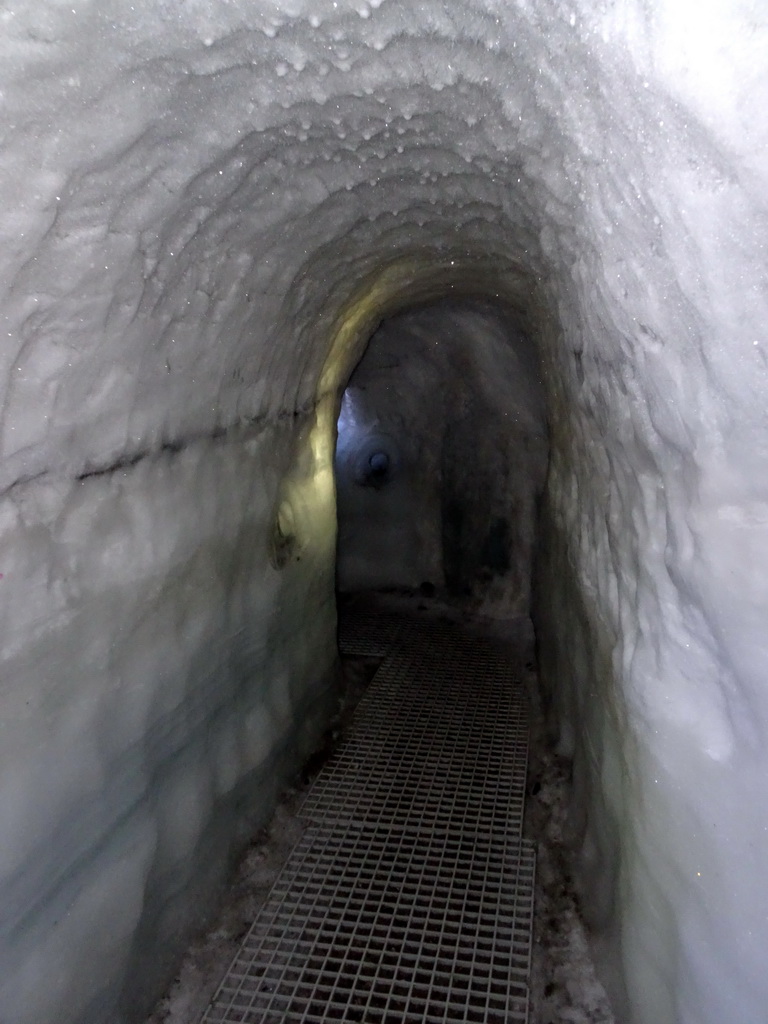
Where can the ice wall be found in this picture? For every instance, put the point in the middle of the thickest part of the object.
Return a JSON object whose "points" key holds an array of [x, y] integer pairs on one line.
{"points": [[206, 208], [450, 396]]}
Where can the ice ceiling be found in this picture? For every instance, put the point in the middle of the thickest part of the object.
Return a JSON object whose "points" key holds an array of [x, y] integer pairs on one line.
{"points": [[206, 208]]}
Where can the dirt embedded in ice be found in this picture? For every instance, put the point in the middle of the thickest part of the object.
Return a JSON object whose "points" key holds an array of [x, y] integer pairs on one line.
{"points": [[564, 986]]}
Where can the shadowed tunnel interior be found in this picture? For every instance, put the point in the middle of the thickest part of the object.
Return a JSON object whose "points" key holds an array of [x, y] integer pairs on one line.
{"points": [[207, 211], [441, 458]]}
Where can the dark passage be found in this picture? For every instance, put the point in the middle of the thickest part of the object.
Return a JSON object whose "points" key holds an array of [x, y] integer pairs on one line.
{"points": [[441, 457]]}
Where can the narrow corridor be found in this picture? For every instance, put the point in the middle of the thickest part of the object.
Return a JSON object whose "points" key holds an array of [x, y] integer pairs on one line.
{"points": [[409, 897]]}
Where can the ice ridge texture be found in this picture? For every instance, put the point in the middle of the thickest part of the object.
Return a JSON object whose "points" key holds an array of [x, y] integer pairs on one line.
{"points": [[206, 208]]}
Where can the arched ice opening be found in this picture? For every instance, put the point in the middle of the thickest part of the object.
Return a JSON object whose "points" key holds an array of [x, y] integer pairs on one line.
{"points": [[441, 458]]}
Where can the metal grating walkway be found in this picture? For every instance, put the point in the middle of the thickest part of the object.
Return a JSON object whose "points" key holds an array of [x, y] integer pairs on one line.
{"points": [[410, 896], [369, 633]]}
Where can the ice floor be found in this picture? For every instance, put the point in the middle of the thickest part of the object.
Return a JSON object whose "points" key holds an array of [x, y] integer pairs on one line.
{"points": [[410, 895]]}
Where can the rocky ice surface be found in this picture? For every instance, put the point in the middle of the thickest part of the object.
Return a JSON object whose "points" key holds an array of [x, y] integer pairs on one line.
{"points": [[206, 210]]}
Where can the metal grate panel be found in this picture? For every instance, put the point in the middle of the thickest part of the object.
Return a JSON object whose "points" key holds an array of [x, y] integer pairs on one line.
{"points": [[389, 927], [440, 738], [410, 897], [363, 633]]}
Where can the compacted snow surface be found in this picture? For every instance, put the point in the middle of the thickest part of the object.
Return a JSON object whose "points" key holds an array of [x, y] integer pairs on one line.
{"points": [[207, 209]]}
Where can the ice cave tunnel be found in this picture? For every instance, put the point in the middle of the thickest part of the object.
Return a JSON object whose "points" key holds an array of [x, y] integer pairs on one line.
{"points": [[207, 209]]}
